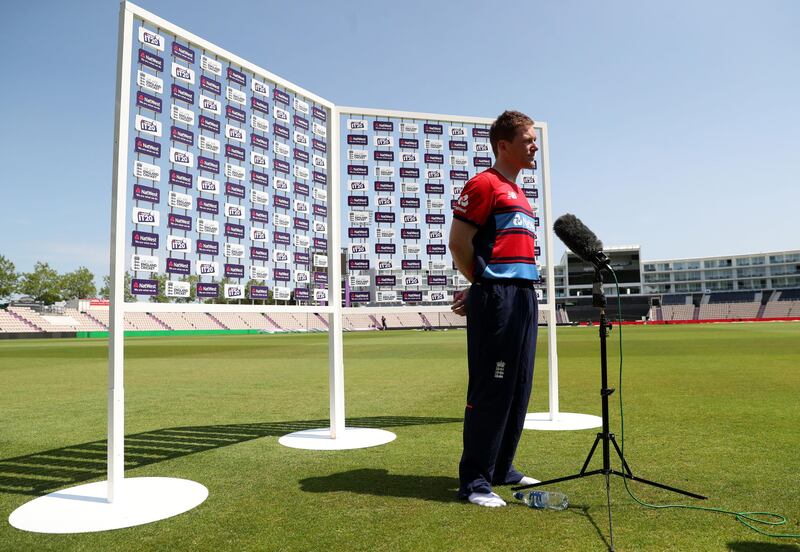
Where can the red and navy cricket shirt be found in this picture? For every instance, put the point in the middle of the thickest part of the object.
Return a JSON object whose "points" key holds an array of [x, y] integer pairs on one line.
{"points": [[505, 241]]}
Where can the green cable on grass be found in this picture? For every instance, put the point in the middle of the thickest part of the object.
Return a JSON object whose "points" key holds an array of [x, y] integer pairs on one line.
{"points": [[745, 518]]}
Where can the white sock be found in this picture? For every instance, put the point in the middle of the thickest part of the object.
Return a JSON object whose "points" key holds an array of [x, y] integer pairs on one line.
{"points": [[490, 500], [526, 480]]}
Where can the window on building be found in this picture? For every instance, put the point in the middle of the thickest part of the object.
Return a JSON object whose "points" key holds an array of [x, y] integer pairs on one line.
{"points": [[787, 282], [782, 270], [720, 286], [752, 284], [718, 274], [752, 272], [685, 276], [656, 277]]}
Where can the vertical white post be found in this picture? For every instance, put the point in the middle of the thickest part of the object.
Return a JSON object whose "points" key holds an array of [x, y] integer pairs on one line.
{"points": [[552, 349], [335, 345], [116, 341]]}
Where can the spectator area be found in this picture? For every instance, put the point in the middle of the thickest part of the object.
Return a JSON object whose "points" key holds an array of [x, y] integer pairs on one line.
{"points": [[778, 304]]}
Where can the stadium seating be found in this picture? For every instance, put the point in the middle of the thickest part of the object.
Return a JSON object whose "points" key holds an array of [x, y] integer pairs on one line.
{"points": [[744, 305], [450, 319], [143, 321], [12, 323], [677, 312], [188, 320], [85, 323], [101, 315], [242, 320], [31, 317], [781, 309], [358, 322], [297, 322], [202, 321], [173, 320]]}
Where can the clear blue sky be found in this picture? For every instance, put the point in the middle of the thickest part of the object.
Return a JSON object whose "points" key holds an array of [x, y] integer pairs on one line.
{"points": [[673, 125]]}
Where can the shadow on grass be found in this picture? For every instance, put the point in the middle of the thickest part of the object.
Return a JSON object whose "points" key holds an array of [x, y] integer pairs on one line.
{"points": [[43, 472], [583, 511], [746, 546], [380, 482]]}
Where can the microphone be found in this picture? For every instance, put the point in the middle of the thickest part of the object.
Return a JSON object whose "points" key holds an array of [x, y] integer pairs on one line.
{"points": [[581, 240]]}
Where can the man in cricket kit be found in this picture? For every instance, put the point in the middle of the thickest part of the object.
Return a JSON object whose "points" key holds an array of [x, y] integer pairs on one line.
{"points": [[492, 244]]}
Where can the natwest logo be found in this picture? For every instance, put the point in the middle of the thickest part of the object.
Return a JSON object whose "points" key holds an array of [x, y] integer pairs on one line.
{"points": [[144, 287], [144, 239]]}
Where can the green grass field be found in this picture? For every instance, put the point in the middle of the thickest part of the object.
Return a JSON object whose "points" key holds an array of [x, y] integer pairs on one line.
{"points": [[712, 408]]}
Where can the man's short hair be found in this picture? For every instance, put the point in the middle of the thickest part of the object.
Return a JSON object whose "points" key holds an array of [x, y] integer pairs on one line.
{"points": [[505, 127]]}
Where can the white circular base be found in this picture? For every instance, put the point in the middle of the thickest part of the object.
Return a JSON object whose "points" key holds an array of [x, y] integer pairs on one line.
{"points": [[353, 438], [84, 509], [564, 421]]}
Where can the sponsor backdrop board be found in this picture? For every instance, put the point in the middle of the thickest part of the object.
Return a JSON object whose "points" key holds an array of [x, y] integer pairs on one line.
{"points": [[401, 174], [227, 196], [227, 178]]}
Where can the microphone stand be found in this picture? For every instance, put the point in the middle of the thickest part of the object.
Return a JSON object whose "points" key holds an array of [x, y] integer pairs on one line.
{"points": [[606, 437]]}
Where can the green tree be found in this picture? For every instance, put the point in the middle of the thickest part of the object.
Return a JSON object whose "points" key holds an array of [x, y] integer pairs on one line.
{"points": [[105, 291], [43, 284], [192, 279], [161, 296], [78, 284], [8, 278], [221, 297]]}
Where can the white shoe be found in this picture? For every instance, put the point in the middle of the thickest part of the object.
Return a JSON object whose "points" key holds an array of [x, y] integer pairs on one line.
{"points": [[490, 500], [527, 481]]}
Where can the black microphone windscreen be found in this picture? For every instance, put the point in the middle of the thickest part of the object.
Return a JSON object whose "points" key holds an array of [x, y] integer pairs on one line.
{"points": [[575, 235]]}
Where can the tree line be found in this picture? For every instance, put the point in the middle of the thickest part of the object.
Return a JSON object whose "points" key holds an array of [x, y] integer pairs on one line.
{"points": [[44, 284]]}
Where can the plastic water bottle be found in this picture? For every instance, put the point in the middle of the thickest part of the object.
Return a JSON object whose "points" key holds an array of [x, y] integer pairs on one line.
{"points": [[543, 500]]}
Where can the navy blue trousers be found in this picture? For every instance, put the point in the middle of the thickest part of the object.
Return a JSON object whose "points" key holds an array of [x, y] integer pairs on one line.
{"points": [[501, 345]]}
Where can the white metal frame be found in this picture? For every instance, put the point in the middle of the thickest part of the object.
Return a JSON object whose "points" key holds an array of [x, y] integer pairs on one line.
{"points": [[553, 416], [118, 306], [142, 496]]}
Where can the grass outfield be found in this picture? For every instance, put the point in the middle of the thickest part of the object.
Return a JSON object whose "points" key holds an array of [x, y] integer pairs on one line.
{"points": [[710, 408]]}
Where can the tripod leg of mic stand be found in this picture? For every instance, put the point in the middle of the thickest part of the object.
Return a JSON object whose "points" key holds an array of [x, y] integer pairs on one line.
{"points": [[621, 457], [610, 523], [582, 473], [659, 485], [591, 453], [558, 480]]}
